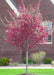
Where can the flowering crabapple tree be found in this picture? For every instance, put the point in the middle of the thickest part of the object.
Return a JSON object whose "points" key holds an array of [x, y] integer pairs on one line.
{"points": [[26, 31]]}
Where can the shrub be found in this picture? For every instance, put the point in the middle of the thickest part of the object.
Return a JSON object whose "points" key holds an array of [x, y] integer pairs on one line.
{"points": [[52, 62], [15, 64], [4, 61], [31, 62], [24, 60], [1, 64], [38, 57], [47, 60]]}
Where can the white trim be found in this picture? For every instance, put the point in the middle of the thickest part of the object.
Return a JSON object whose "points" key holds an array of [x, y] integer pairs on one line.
{"points": [[52, 1], [46, 43], [49, 43], [12, 6]]}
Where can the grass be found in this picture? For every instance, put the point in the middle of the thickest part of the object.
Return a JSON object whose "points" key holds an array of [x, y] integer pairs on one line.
{"points": [[21, 71]]}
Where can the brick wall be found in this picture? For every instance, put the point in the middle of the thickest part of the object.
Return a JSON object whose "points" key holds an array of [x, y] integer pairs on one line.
{"points": [[47, 11], [6, 50]]}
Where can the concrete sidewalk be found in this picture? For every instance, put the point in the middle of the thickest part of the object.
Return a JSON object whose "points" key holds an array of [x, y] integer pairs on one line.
{"points": [[25, 67], [33, 66]]}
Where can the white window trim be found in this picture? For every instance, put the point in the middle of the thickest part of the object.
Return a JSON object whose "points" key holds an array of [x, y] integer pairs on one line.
{"points": [[12, 6], [49, 43], [52, 1], [46, 43]]}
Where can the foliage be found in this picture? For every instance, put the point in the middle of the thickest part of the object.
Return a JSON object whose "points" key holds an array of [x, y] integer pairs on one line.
{"points": [[47, 60], [52, 62], [15, 64], [38, 57], [31, 62], [4, 61], [24, 60]]}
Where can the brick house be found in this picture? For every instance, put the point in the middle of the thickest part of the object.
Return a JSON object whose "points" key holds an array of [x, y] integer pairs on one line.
{"points": [[47, 11]]}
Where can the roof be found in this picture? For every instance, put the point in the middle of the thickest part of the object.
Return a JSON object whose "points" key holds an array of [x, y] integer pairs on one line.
{"points": [[46, 8]]}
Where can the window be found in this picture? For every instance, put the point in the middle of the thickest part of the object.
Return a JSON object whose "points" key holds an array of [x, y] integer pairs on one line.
{"points": [[13, 6], [48, 24]]}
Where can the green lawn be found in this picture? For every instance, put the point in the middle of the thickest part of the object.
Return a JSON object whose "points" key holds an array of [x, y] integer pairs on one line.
{"points": [[20, 71]]}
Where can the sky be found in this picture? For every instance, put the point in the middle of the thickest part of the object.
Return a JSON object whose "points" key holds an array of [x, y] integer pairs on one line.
{"points": [[52, 1]]}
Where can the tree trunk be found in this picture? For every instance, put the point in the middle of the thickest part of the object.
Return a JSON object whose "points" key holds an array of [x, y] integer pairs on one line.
{"points": [[26, 61]]}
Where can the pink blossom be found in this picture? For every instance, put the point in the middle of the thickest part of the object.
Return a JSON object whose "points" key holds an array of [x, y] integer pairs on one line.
{"points": [[26, 29]]}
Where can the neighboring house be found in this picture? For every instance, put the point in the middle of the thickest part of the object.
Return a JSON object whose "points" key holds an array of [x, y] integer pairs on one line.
{"points": [[47, 11]]}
